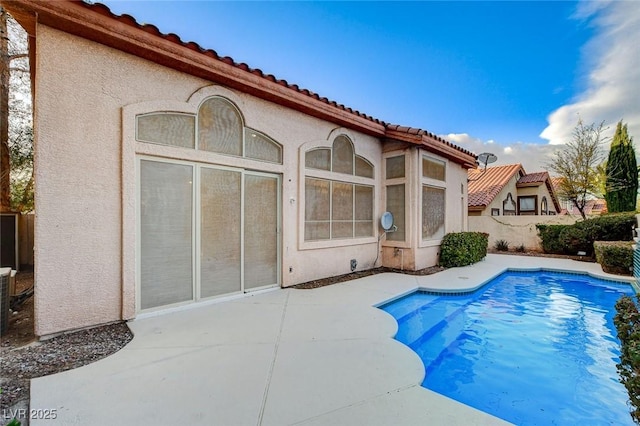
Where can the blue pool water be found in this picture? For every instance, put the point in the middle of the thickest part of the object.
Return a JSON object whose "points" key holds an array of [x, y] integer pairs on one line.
{"points": [[533, 348]]}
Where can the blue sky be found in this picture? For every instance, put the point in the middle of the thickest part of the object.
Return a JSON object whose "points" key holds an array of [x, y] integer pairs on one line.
{"points": [[490, 76]]}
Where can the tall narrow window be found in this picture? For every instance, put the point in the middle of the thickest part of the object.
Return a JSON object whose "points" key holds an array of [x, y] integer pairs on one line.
{"points": [[433, 198], [544, 206], [396, 205], [433, 212], [395, 194], [166, 217]]}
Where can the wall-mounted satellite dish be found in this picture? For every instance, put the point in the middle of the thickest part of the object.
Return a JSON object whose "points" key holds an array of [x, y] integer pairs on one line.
{"points": [[386, 221]]}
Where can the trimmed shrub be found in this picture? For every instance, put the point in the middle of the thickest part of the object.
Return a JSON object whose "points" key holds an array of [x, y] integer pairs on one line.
{"points": [[627, 322], [502, 245], [615, 257], [550, 236], [463, 248], [570, 239]]}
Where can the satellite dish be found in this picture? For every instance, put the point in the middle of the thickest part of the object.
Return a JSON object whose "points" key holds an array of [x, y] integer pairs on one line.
{"points": [[487, 158], [386, 221]]}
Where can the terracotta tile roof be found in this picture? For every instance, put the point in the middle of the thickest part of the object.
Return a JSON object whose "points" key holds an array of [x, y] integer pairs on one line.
{"points": [[591, 207], [483, 188], [57, 14], [555, 182], [533, 178]]}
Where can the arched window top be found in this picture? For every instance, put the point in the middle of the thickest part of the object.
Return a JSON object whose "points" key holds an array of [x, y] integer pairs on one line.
{"points": [[509, 205], [544, 205], [340, 158], [259, 146], [220, 127]]}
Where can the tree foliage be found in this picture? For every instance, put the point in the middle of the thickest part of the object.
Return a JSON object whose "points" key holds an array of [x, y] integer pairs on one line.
{"points": [[577, 165], [621, 187], [16, 127]]}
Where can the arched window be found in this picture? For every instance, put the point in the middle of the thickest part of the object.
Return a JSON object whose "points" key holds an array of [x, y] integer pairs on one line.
{"points": [[544, 206], [340, 158], [337, 206], [220, 129], [509, 206]]}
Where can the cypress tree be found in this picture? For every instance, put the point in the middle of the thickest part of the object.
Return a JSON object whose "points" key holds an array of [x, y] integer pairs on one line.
{"points": [[622, 173]]}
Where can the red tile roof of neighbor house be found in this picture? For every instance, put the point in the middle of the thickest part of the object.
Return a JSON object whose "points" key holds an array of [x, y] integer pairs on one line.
{"points": [[533, 179], [591, 207], [484, 187], [96, 22]]}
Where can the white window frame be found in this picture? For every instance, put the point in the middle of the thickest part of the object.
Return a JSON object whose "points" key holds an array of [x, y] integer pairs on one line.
{"points": [[434, 183], [333, 177], [408, 229]]}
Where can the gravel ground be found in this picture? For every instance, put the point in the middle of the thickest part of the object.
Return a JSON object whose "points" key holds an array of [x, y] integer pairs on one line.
{"points": [[22, 357]]}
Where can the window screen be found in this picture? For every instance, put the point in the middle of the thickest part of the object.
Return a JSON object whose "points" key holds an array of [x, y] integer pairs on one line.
{"points": [[261, 147], [166, 263], [167, 129], [433, 169], [318, 159], [342, 159], [433, 212], [395, 205], [219, 127], [395, 167]]}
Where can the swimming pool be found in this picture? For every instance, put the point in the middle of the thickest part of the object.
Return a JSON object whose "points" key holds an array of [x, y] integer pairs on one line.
{"points": [[533, 348]]}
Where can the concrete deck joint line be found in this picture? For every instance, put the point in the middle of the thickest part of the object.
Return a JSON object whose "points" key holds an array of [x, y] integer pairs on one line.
{"points": [[265, 395]]}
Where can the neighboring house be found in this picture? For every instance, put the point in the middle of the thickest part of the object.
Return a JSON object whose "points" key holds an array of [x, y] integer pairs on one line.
{"points": [[509, 191], [167, 175], [592, 207]]}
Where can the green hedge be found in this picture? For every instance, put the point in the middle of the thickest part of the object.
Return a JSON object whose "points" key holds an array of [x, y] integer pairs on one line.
{"points": [[570, 239], [463, 248], [615, 257], [627, 322]]}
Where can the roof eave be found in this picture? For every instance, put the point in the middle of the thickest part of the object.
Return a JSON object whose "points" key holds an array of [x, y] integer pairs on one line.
{"points": [[74, 17], [466, 160]]}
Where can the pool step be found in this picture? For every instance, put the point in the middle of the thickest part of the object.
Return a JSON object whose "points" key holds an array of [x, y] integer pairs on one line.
{"points": [[417, 325], [443, 333]]}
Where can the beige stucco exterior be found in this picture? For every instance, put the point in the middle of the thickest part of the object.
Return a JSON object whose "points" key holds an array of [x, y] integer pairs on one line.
{"points": [[87, 97], [517, 231]]}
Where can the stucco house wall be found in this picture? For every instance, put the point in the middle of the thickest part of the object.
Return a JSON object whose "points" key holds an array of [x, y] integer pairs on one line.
{"points": [[88, 159]]}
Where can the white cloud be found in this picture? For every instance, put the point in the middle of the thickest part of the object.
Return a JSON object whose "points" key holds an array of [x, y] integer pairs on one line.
{"points": [[613, 82], [533, 157]]}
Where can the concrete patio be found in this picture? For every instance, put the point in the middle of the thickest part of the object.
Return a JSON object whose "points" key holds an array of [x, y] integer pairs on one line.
{"points": [[315, 357]]}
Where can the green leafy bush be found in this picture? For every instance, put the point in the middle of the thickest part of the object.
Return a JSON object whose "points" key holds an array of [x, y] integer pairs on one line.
{"points": [[550, 235], [463, 248], [502, 245], [615, 257], [570, 239], [627, 322]]}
